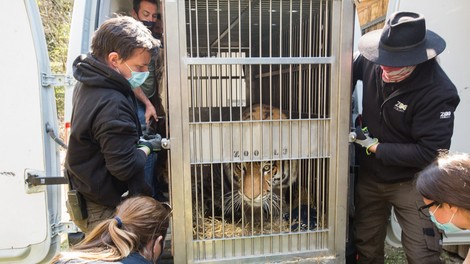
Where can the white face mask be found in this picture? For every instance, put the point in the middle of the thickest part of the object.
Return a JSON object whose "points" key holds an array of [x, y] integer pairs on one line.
{"points": [[137, 78], [448, 227]]}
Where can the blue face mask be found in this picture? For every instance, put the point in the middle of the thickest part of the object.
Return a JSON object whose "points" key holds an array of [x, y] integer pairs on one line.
{"points": [[137, 78], [448, 227]]}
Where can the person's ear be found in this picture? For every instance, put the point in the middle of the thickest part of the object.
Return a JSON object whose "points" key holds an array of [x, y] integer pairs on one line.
{"points": [[452, 208], [157, 247], [134, 14], [113, 59]]}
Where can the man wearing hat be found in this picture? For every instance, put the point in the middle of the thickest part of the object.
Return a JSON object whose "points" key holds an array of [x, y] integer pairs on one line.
{"points": [[408, 110]]}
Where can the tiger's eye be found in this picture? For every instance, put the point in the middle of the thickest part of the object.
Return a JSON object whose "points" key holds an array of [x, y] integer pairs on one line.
{"points": [[267, 167]]}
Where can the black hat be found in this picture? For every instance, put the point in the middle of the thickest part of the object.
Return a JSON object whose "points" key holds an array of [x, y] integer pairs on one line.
{"points": [[404, 41]]}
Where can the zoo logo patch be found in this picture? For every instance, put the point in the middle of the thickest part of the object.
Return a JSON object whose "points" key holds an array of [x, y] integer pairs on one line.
{"points": [[446, 114], [400, 107]]}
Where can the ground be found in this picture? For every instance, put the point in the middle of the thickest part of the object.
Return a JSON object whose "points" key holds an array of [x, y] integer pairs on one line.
{"points": [[397, 256]]}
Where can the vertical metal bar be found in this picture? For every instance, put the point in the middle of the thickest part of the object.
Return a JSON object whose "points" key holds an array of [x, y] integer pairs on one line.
{"points": [[239, 28], [196, 10], [250, 82], [325, 114], [289, 102], [325, 186], [279, 151], [208, 30], [309, 111], [271, 123], [324, 18], [301, 41], [218, 28], [191, 48], [261, 100]]}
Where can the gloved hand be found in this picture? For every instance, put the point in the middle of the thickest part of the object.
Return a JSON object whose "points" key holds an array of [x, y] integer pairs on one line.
{"points": [[153, 142], [363, 139]]}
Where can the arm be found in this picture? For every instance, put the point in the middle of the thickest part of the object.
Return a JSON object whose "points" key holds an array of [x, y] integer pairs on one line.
{"points": [[149, 108], [357, 69], [117, 135], [430, 132]]}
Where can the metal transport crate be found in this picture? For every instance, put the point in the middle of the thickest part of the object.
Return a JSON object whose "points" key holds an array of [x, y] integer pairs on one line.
{"points": [[257, 93]]}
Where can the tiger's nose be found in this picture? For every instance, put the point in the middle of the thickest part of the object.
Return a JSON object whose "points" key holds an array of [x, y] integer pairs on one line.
{"points": [[253, 188], [255, 202]]}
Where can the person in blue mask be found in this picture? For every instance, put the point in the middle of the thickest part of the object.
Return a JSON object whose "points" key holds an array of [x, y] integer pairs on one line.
{"points": [[150, 108], [106, 155], [445, 187]]}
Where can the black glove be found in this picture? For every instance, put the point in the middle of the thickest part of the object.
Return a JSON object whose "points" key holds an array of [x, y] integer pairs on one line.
{"points": [[363, 139], [153, 142]]}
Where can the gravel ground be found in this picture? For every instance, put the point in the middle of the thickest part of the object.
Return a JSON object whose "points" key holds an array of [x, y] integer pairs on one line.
{"points": [[397, 256]]}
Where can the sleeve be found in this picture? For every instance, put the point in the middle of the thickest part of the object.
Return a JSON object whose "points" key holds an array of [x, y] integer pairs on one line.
{"points": [[357, 68], [117, 136], [432, 128]]}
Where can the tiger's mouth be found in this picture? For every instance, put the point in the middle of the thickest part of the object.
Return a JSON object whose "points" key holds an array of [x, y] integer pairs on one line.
{"points": [[254, 202], [270, 204]]}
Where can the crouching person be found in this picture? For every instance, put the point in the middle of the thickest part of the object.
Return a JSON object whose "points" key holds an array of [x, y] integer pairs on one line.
{"points": [[136, 234]]}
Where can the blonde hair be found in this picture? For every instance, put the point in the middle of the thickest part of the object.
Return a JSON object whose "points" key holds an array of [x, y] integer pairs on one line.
{"points": [[138, 221]]}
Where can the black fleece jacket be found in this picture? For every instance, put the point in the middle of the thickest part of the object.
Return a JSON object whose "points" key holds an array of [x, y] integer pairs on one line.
{"points": [[102, 160], [412, 119]]}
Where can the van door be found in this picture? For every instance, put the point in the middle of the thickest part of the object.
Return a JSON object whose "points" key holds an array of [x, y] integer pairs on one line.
{"points": [[29, 212]]}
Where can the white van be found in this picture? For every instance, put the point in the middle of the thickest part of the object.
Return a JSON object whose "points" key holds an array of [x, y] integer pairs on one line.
{"points": [[30, 174]]}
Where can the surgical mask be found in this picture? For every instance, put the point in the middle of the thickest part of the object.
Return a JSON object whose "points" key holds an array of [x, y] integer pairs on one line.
{"points": [[149, 24], [137, 78], [448, 227]]}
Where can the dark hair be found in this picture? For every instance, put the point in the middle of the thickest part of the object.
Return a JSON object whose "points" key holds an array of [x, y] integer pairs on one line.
{"points": [[136, 4], [447, 180], [123, 35], [138, 221]]}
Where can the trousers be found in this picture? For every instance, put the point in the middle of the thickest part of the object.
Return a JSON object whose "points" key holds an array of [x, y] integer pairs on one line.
{"points": [[422, 242], [96, 214]]}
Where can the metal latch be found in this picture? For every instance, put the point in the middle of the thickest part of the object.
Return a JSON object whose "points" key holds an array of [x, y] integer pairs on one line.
{"points": [[64, 227], [352, 136], [35, 180], [56, 80], [165, 143]]}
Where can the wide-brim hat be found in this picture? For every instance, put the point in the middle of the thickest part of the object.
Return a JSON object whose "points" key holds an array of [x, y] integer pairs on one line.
{"points": [[403, 41]]}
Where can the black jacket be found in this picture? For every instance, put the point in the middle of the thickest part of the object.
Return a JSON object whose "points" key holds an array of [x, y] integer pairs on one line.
{"points": [[102, 160], [412, 119]]}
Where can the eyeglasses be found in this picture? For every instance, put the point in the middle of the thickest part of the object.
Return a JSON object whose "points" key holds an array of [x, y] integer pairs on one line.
{"points": [[427, 206]]}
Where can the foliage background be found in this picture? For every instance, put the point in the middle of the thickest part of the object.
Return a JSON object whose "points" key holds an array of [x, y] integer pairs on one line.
{"points": [[56, 17]]}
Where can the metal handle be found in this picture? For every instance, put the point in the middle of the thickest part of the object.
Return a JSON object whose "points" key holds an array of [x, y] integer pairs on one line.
{"points": [[165, 143]]}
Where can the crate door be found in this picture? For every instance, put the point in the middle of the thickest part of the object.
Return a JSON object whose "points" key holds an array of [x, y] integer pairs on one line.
{"points": [[256, 102]]}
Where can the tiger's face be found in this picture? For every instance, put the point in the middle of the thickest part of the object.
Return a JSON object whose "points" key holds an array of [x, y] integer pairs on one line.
{"points": [[259, 185]]}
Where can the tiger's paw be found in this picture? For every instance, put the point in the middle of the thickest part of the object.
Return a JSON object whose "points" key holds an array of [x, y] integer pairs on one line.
{"points": [[308, 218]]}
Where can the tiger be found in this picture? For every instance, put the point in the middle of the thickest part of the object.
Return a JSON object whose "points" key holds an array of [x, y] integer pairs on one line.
{"points": [[249, 190]]}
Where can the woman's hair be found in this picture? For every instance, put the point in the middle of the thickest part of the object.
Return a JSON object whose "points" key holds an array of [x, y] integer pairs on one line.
{"points": [[138, 220], [447, 180], [123, 35]]}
